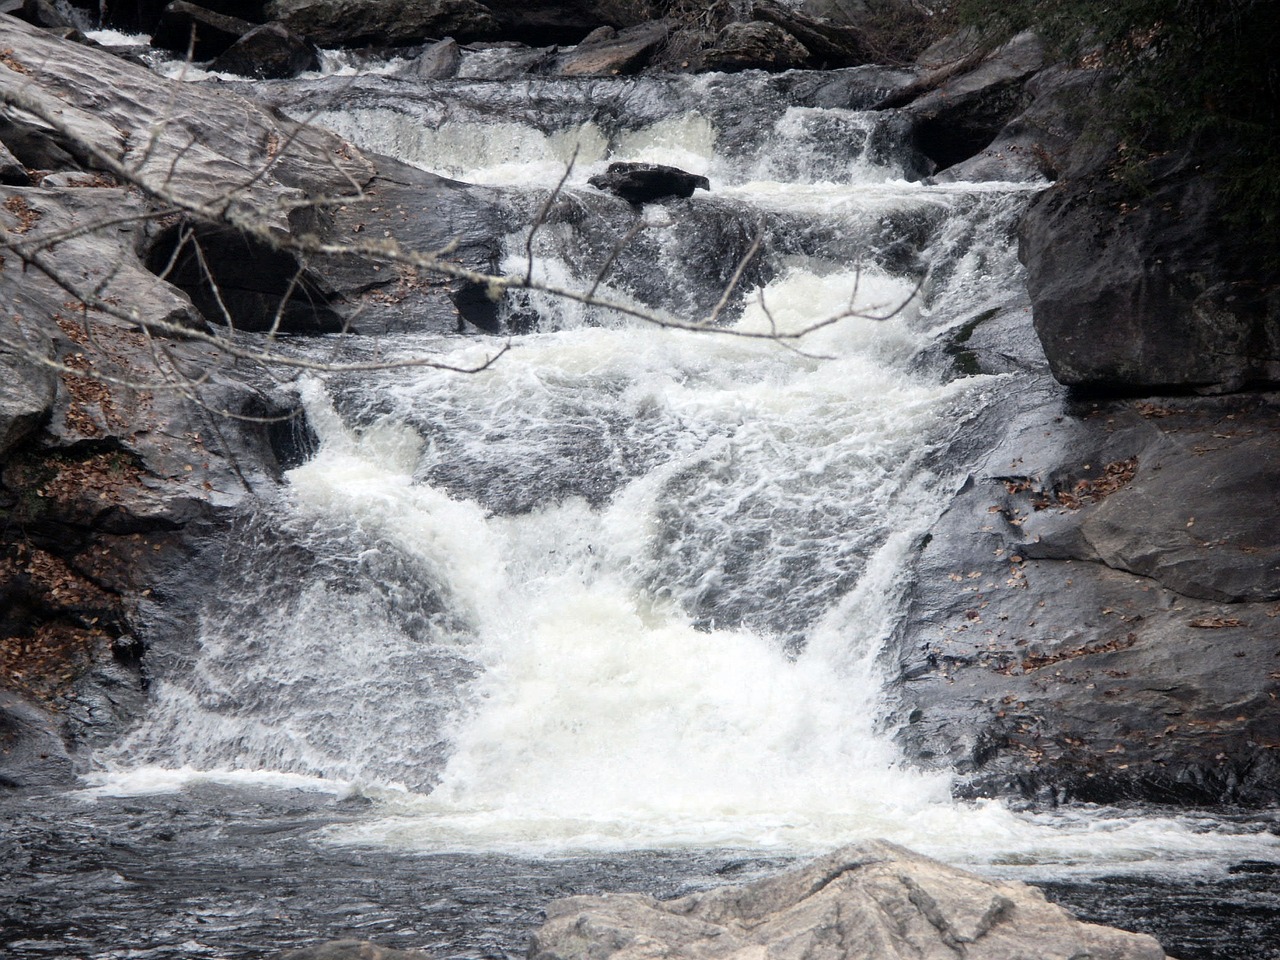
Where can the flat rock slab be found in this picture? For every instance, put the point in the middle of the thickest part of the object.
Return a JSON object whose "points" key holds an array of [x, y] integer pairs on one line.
{"points": [[870, 901]]}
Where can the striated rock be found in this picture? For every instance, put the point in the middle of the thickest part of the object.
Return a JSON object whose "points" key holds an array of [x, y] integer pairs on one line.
{"points": [[351, 23], [870, 901], [639, 183], [613, 53], [753, 46], [268, 52], [186, 26]]}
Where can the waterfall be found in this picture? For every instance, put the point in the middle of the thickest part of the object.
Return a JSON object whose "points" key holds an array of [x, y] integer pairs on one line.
{"points": [[629, 586]]}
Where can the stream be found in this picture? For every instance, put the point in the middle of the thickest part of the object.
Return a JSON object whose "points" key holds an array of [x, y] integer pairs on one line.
{"points": [[609, 615]]}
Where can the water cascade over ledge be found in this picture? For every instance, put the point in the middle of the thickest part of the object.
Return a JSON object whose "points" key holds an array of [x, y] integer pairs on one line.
{"points": [[627, 587]]}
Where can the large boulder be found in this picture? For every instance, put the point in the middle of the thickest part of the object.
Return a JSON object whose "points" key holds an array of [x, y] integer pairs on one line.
{"points": [[870, 901], [639, 183], [353, 23], [1151, 289], [268, 52], [610, 53], [1093, 617]]}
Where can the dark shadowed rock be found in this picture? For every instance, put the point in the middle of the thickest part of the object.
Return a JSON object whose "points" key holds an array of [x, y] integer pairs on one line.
{"points": [[36, 147], [829, 44], [352, 23], [647, 182], [1038, 142], [1149, 290], [613, 53], [967, 109], [870, 901], [185, 26], [567, 21], [12, 171], [438, 62], [753, 46], [269, 52]]}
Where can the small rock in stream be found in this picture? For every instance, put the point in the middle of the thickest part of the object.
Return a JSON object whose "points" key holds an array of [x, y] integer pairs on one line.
{"points": [[639, 183]]}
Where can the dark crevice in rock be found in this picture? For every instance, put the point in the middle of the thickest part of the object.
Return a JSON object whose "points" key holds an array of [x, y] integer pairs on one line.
{"points": [[234, 278]]}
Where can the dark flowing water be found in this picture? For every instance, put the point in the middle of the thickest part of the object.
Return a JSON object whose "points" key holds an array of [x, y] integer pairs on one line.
{"points": [[237, 872]]}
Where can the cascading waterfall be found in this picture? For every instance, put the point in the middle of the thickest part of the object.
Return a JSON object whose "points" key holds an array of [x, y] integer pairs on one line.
{"points": [[627, 587]]}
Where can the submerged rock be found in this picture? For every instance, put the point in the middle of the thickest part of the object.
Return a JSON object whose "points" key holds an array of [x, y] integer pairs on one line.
{"points": [[639, 183], [871, 901]]}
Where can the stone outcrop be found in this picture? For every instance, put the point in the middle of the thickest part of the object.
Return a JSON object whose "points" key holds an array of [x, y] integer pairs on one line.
{"points": [[871, 901], [1094, 617], [965, 112], [1151, 290], [111, 478], [612, 53]]}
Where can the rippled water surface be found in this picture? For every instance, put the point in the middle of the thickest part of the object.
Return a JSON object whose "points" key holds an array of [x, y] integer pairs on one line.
{"points": [[236, 872]]}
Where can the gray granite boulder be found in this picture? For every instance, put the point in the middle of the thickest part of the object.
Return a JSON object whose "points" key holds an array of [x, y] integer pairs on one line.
{"points": [[870, 901]]}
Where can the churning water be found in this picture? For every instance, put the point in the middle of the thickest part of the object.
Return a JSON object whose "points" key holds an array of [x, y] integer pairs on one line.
{"points": [[626, 589]]}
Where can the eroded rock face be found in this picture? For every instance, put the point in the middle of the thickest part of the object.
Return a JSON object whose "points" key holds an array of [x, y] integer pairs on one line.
{"points": [[871, 901]]}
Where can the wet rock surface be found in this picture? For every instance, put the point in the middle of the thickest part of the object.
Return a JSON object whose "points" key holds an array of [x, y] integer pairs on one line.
{"points": [[1151, 508], [1094, 617], [639, 183], [122, 454]]}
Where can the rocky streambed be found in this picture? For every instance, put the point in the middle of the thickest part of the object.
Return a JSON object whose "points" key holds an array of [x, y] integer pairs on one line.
{"points": [[1088, 616]]}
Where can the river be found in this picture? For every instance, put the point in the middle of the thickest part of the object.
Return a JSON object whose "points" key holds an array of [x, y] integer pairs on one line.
{"points": [[610, 614]]}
